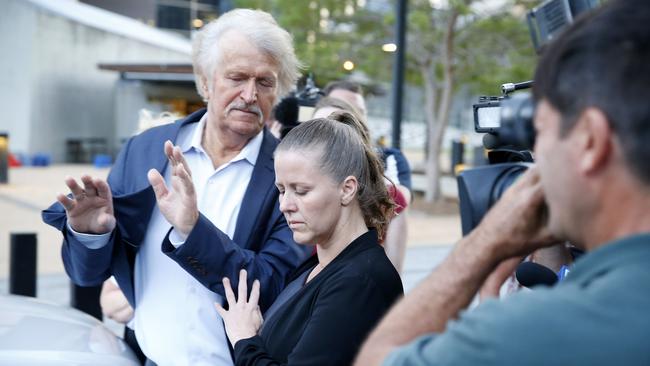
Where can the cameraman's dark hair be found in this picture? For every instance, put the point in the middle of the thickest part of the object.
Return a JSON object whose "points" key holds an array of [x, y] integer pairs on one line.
{"points": [[343, 84], [603, 60], [344, 153]]}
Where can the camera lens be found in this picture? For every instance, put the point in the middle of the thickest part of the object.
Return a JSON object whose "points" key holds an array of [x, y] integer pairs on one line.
{"points": [[517, 115]]}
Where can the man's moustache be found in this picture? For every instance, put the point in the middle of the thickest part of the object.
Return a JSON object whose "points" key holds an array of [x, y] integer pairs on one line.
{"points": [[245, 108]]}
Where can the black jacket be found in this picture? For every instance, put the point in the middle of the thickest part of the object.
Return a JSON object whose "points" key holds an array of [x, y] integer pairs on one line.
{"points": [[326, 321]]}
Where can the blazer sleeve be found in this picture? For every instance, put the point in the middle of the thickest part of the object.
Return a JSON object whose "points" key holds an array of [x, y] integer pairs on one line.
{"points": [[209, 255], [344, 312], [84, 266]]}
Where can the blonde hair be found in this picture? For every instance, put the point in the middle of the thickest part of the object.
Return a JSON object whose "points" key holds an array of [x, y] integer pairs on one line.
{"points": [[345, 152]]}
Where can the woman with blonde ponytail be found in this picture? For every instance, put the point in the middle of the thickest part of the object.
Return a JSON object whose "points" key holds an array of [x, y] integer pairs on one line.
{"points": [[332, 194]]}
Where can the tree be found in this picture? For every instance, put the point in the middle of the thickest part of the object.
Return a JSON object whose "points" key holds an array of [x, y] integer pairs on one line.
{"points": [[323, 30], [451, 44], [446, 46]]}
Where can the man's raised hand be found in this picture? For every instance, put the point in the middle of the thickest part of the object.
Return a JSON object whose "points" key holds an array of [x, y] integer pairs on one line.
{"points": [[178, 205], [90, 210]]}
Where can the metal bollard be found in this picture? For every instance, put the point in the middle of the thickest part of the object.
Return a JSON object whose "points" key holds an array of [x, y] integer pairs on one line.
{"points": [[86, 299], [4, 158], [457, 152], [22, 265]]}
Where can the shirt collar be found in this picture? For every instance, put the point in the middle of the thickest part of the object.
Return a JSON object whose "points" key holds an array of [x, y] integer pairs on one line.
{"points": [[250, 152], [195, 137], [619, 253]]}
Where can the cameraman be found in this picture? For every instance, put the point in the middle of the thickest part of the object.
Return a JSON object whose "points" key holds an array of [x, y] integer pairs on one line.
{"points": [[591, 186]]}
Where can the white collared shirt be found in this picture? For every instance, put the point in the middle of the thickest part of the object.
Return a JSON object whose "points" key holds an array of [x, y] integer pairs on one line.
{"points": [[175, 320]]}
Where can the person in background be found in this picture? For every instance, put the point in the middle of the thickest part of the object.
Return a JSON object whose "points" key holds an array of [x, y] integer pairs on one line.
{"points": [[590, 186], [168, 255], [348, 91], [327, 106], [397, 169], [332, 193]]}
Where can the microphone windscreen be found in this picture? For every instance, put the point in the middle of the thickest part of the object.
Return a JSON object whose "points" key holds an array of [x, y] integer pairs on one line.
{"points": [[286, 112], [491, 141], [531, 274]]}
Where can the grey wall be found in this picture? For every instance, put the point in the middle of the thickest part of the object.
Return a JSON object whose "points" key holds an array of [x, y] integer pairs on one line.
{"points": [[131, 96], [16, 31], [53, 89], [144, 10], [129, 99]]}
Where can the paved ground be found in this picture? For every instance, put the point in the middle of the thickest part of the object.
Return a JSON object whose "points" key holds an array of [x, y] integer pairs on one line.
{"points": [[32, 189]]}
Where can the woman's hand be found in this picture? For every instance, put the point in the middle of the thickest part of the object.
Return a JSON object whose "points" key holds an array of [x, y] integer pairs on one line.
{"points": [[243, 318]]}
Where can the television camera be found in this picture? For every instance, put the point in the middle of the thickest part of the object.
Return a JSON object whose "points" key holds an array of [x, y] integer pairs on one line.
{"points": [[507, 121], [298, 106]]}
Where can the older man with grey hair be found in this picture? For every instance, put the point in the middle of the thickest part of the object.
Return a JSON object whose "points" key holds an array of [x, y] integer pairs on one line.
{"points": [[168, 242]]}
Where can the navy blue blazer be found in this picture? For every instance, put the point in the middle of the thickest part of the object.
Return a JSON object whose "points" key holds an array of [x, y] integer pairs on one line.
{"points": [[262, 243]]}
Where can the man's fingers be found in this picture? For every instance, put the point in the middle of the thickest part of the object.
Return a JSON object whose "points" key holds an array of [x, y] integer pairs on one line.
{"points": [[255, 293], [185, 179], [65, 201], [537, 194], [106, 221], [179, 157], [545, 238], [530, 176], [222, 312], [158, 183], [526, 190], [527, 179], [75, 188], [169, 149], [179, 167], [103, 190], [89, 186], [242, 294], [499, 275], [177, 184], [230, 295]]}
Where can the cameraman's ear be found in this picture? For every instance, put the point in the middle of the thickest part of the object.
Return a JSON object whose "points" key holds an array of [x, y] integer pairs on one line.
{"points": [[595, 141]]}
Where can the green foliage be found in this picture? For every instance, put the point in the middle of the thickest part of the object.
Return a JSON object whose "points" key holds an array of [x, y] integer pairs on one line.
{"points": [[325, 32], [495, 50], [489, 50]]}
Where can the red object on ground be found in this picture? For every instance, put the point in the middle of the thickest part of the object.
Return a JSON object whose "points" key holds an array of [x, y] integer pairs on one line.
{"points": [[13, 162]]}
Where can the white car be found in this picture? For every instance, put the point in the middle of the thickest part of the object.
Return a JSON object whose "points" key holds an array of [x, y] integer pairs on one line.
{"points": [[35, 332]]}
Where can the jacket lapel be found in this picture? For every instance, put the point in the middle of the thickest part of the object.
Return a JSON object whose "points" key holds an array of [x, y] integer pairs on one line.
{"points": [[257, 193]]}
